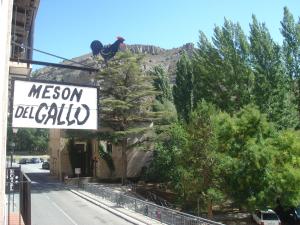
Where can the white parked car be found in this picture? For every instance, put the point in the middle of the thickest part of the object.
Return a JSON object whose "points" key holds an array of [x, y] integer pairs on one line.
{"points": [[268, 217]]}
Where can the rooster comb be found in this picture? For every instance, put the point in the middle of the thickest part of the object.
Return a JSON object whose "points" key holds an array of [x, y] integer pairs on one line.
{"points": [[120, 38]]}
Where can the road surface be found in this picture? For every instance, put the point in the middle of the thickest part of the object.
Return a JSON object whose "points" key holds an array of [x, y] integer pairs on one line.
{"points": [[51, 204]]}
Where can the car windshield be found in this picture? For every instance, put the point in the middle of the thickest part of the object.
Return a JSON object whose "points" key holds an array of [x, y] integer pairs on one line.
{"points": [[298, 210], [270, 216]]}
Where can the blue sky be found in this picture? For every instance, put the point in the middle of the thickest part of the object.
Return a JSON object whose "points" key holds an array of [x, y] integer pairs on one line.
{"points": [[67, 27]]}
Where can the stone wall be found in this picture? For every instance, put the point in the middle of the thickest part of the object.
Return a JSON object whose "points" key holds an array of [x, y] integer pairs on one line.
{"points": [[136, 160], [102, 170], [54, 151], [66, 168]]}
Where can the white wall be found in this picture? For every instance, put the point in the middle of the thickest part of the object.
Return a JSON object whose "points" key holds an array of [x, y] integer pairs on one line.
{"points": [[5, 29]]}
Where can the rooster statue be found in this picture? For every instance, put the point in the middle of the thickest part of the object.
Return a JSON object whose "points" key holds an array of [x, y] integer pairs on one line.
{"points": [[107, 52]]}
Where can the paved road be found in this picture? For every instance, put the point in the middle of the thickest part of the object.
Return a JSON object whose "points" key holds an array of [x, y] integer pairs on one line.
{"points": [[51, 204]]}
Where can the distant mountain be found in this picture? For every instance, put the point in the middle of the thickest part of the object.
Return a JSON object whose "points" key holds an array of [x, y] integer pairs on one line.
{"points": [[154, 56]]}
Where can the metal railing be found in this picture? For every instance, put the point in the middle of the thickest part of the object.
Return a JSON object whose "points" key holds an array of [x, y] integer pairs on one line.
{"points": [[160, 213], [25, 198]]}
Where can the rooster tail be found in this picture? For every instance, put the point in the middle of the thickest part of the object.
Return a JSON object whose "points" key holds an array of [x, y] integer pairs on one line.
{"points": [[96, 47]]}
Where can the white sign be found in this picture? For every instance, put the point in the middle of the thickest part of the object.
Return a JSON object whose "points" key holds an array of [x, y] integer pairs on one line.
{"points": [[77, 171], [53, 105]]}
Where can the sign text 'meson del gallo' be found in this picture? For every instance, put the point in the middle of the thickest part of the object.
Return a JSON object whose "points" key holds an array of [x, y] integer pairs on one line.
{"points": [[53, 105]]}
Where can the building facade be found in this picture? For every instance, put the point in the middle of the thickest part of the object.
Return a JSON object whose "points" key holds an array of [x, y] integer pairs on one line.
{"points": [[17, 27], [90, 158], [5, 40]]}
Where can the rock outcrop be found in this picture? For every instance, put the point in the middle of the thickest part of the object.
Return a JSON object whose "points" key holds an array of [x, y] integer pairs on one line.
{"points": [[154, 56], [146, 49]]}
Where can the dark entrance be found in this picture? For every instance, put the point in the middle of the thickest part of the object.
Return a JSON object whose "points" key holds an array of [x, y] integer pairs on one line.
{"points": [[84, 159]]}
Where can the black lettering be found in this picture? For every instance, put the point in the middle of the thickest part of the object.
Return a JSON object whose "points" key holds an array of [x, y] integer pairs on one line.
{"points": [[59, 115], [68, 116], [19, 111], [46, 91], [35, 91], [52, 114], [56, 91], [25, 112], [86, 116], [30, 114], [77, 94], [37, 119], [66, 93]]}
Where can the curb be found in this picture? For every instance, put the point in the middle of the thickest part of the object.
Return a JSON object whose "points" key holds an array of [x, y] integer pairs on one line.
{"points": [[113, 211]]}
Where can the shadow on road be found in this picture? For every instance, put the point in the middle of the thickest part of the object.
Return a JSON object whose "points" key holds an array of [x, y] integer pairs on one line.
{"points": [[44, 182]]}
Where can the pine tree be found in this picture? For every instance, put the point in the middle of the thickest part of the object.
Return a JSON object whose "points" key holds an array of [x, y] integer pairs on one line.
{"points": [[126, 98]]}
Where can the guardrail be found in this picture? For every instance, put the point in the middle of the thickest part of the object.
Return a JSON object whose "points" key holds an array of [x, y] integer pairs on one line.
{"points": [[160, 213]]}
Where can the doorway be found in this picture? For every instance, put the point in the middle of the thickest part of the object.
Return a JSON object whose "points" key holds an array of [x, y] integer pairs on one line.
{"points": [[84, 158]]}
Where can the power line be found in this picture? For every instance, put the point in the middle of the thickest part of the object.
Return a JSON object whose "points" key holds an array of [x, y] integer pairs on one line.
{"points": [[89, 69], [53, 55]]}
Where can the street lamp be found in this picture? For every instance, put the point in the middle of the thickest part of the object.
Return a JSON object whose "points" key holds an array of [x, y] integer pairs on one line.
{"points": [[12, 147], [15, 130]]}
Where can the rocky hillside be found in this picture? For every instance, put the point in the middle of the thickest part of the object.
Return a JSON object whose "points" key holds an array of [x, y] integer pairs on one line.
{"points": [[154, 56]]}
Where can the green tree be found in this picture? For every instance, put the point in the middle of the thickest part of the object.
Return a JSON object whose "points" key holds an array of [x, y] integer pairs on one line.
{"points": [[285, 176], [40, 140], [29, 139], [241, 156], [291, 51], [168, 146], [164, 99], [168, 116], [198, 162], [126, 99], [244, 141], [271, 90], [259, 165], [161, 84], [222, 74], [183, 88], [291, 44]]}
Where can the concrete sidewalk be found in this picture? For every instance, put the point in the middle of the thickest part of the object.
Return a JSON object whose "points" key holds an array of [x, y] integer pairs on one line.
{"points": [[128, 215]]}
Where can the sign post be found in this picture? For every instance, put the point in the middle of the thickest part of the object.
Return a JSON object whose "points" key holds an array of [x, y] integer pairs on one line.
{"points": [[78, 172]]}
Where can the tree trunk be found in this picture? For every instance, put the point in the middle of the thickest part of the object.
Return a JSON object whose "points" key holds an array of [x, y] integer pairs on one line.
{"points": [[209, 209], [124, 162]]}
